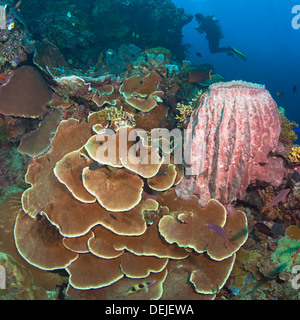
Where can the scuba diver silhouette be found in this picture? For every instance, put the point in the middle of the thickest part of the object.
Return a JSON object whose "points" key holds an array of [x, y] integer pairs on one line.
{"points": [[210, 25]]}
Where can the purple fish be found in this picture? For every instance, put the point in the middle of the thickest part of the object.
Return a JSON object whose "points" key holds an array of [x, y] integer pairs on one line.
{"points": [[281, 196], [217, 229]]}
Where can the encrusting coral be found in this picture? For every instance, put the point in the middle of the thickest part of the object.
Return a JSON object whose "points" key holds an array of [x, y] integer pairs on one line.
{"points": [[92, 214]]}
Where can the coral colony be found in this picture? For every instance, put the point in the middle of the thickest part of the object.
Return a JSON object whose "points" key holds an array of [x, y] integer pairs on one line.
{"points": [[134, 175]]}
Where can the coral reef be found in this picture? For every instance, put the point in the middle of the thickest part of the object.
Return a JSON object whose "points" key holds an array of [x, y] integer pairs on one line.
{"points": [[84, 30], [229, 143], [16, 42], [93, 106], [122, 237]]}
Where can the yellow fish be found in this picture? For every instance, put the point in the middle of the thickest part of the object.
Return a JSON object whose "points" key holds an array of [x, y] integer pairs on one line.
{"points": [[11, 26]]}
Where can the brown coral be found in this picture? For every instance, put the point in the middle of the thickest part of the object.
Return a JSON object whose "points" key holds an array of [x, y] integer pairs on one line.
{"points": [[40, 243], [184, 226], [9, 209], [142, 92], [25, 94], [124, 186], [98, 224], [293, 232], [37, 142]]}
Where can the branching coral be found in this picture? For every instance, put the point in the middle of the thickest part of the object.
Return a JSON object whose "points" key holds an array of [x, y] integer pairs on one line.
{"points": [[113, 117], [185, 111], [287, 135], [294, 154]]}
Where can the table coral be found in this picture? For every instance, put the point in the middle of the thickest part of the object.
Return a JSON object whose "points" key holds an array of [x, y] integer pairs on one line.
{"points": [[25, 94], [38, 141], [112, 239], [142, 92]]}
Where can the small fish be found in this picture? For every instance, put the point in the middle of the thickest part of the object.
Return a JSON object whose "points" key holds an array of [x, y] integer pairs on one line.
{"points": [[10, 26], [294, 256], [219, 230], [18, 4], [198, 54], [280, 197], [109, 52], [296, 130], [94, 166], [261, 227], [277, 230], [140, 286], [161, 173], [295, 88], [113, 217], [296, 176], [135, 35], [2, 76], [279, 93], [199, 75]]}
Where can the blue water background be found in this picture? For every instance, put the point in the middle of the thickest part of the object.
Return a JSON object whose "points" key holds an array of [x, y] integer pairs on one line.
{"points": [[263, 31]]}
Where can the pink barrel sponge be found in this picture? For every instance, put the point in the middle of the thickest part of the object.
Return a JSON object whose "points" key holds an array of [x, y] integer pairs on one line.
{"points": [[230, 143]]}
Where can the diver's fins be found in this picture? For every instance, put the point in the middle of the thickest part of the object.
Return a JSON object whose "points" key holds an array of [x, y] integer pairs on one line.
{"points": [[232, 55], [239, 54]]}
